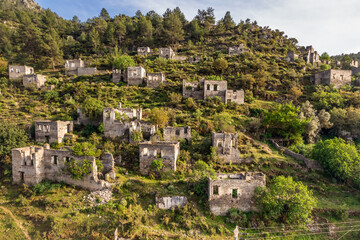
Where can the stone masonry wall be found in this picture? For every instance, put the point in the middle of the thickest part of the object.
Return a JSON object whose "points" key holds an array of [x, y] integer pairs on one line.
{"points": [[176, 133]]}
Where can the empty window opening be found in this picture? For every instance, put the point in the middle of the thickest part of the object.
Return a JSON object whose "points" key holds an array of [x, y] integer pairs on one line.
{"points": [[185, 130], [177, 132], [215, 87], [208, 87], [32, 162], [219, 144], [67, 159], [55, 158], [216, 190], [22, 176], [234, 193]]}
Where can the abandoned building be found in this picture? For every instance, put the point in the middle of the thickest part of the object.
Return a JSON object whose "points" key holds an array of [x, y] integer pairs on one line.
{"points": [[17, 72], [31, 165], [236, 50], [291, 57], [177, 133], [310, 55], [135, 76], [354, 63], [123, 122], [234, 191], [34, 81], [167, 53], [150, 151], [78, 67], [108, 162], [207, 88], [143, 51], [338, 78], [154, 80], [52, 131], [170, 202], [226, 145]]}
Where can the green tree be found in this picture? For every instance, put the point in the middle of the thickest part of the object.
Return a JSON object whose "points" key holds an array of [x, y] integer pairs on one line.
{"points": [[173, 29], [159, 116], [285, 201], [283, 121], [325, 57], [340, 159], [104, 14], [92, 108], [227, 21], [220, 64], [123, 62], [11, 137]]}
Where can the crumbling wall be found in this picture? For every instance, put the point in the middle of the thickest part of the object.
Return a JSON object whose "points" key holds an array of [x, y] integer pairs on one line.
{"points": [[143, 51], [338, 78], [234, 191], [135, 76], [17, 72], [170, 202], [234, 96], [226, 145], [150, 151], [52, 132], [309, 163], [155, 79], [34, 81], [167, 53], [215, 89], [86, 71], [176, 133], [194, 90]]}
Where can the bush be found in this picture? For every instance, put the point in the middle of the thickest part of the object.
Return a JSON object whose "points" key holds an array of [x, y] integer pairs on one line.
{"points": [[285, 201]]}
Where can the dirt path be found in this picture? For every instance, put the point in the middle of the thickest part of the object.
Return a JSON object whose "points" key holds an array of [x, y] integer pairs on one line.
{"points": [[17, 222]]}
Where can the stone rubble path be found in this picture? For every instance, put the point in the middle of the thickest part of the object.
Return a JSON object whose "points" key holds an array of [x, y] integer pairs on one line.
{"points": [[18, 223]]}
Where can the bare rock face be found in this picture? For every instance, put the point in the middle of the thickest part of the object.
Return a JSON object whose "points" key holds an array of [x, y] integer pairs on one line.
{"points": [[30, 4]]}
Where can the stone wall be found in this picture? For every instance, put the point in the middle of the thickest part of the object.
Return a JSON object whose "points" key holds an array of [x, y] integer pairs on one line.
{"points": [[143, 51], [167, 53], [177, 133], [170, 202], [34, 81], [86, 71], [31, 165], [236, 50], [234, 191], [215, 89], [194, 90], [234, 96], [135, 76], [338, 78], [226, 145], [154, 80], [309, 163], [150, 151], [52, 132], [17, 72]]}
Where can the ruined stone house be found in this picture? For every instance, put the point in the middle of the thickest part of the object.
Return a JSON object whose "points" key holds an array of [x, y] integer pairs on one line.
{"points": [[226, 145], [310, 55], [354, 63], [150, 151], [143, 51], [167, 53], [154, 80], [236, 50], [338, 78], [17, 72], [135, 76], [108, 162], [207, 88], [52, 131], [177, 133], [78, 67], [31, 165], [291, 57], [34, 81], [234, 191]]}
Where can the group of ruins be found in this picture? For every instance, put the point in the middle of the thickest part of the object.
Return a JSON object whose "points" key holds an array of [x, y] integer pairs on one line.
{"points": [[33, 164]]}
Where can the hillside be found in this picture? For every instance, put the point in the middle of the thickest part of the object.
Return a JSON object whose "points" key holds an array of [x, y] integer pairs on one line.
{"points": [[281, 103]]}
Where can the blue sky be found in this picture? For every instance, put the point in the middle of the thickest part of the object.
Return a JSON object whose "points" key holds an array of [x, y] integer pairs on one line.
{"points": [[328, 25]]}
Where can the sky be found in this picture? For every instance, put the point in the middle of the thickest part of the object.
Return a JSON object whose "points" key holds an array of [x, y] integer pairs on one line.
{"points": [[329, 25]]}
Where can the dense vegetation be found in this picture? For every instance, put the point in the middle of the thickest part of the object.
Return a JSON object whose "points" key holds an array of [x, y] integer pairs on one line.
{"points": [[280, 103]]}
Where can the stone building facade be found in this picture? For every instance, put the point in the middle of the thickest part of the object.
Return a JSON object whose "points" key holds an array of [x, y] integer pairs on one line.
{"points": [[52, 131], [226, 145], [31, 165], [135, 76], [78, 67], [167, 53], [354, 63], [236, 50], [291, 57], [150, 151], [310, 55], [34, 81], [234, 191], [17, 72], [207, 88], [154, 80], [143, 51], [177, 133], [337, 77]]}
